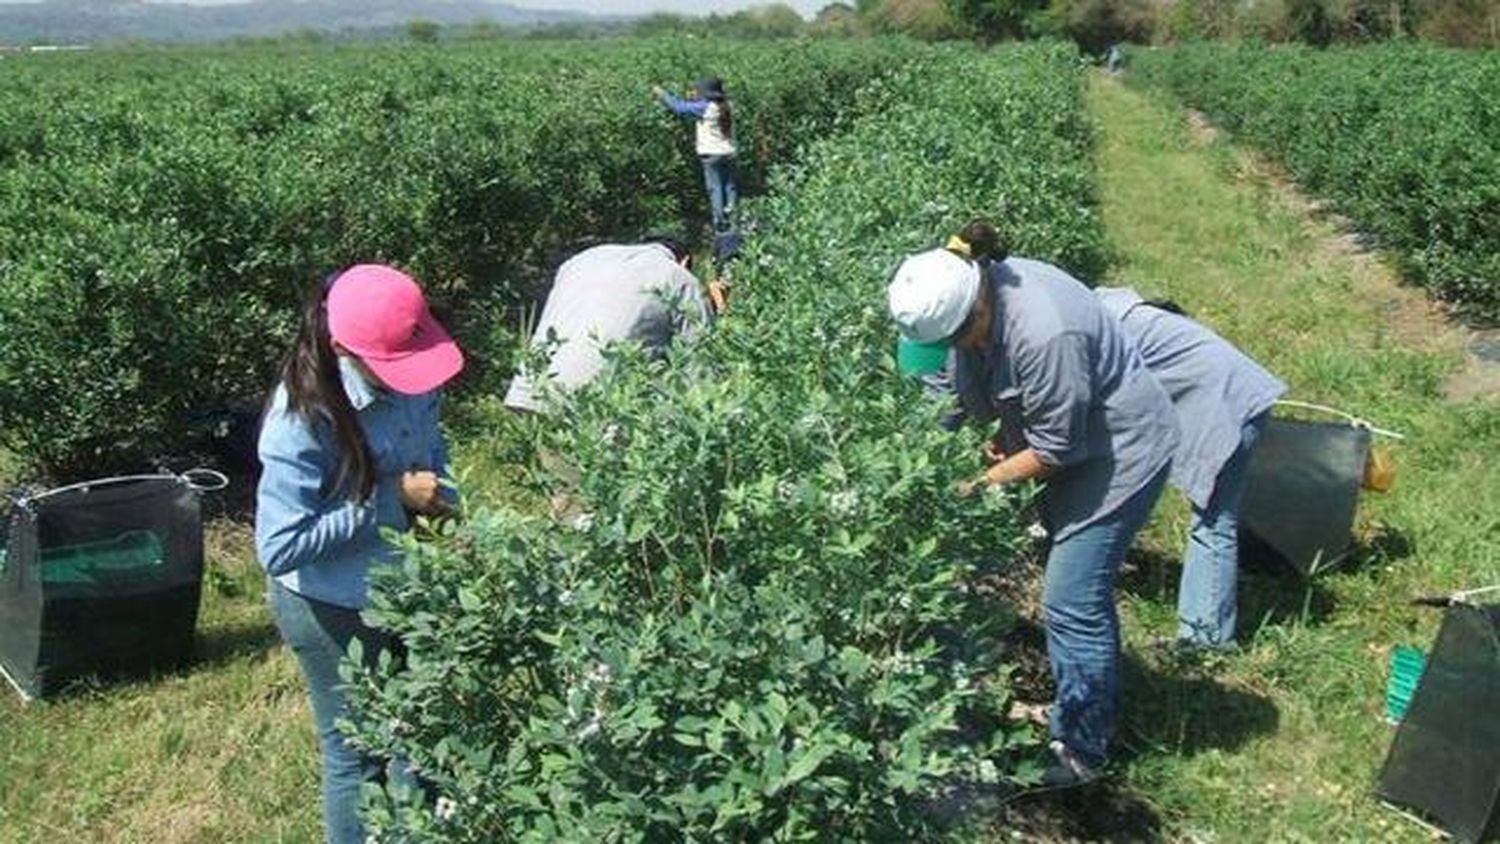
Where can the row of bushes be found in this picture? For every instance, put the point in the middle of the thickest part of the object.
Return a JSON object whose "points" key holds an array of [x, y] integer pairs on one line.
{"points": [[161, 212], [1095, 24], [1404, 139], [757, 621]]}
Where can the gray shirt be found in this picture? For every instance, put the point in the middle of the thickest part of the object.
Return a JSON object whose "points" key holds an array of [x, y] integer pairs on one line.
{"points": [[606, 294], [1215, 388], [1062, 379]]}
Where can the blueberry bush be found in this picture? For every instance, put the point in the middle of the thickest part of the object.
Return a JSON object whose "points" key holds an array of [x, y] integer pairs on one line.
{"points": [[1403, 139], [756, 615], [161, 211]]}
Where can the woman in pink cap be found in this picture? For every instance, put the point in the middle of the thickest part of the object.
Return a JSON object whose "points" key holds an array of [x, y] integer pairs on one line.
{"points": [[350, 445]]}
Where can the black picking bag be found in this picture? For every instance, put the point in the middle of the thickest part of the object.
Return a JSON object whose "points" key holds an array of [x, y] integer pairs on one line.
{"points": [[101, 578], [1301, 490], [1445, 759]]}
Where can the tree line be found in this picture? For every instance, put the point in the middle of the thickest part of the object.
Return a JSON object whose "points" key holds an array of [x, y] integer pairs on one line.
{"points": [[1093, 24]]}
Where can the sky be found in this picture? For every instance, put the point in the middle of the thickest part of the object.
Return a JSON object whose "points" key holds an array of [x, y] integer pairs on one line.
{"points": [[624, 7], [629, 7]]}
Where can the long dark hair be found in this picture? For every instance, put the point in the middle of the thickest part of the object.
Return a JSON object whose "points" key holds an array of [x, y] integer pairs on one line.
{"points": [[715, 94], [315, 391]]}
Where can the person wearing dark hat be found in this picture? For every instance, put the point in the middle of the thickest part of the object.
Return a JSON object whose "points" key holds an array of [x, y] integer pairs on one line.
{"points": [[1033, 345], [350, 448], [714, 141], [641, 292], [1222, 398]]}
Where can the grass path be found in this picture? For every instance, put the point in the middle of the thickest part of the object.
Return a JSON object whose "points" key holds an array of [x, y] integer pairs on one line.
{"points": [[1283, 740]]}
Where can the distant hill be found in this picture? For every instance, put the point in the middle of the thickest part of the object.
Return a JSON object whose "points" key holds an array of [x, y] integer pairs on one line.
{"points": [[91, 21]]}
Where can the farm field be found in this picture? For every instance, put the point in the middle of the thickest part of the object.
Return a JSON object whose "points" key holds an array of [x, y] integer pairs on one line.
{"points": [[832, 543]]}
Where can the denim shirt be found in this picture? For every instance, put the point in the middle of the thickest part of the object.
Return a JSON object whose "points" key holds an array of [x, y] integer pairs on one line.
{"points": [[684, 108], [1062, 379], [319, 544], [1215, 388]]}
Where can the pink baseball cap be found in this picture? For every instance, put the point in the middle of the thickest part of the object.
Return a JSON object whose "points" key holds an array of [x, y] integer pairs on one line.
{"points": [[379, 314]]}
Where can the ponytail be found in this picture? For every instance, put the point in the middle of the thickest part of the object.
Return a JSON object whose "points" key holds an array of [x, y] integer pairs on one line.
{"points": [[315, 391], [979, 240], [726, 119], [712, 90]]}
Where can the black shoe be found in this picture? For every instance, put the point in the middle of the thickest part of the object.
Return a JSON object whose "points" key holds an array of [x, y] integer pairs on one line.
{"points": [[1067, 770]]}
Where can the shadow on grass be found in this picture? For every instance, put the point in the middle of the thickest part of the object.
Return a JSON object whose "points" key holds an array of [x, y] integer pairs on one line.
{"points": [[1105, 811], [212, 650], [1270, 593], [1178, 708], [221, 646], [1380, 545]]}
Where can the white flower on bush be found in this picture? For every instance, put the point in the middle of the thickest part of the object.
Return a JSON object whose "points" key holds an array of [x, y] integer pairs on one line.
{"points": [[592, 728], [901, 662], [787, 491], [600, 674], [996, 492], [612, 434], [446, 809], [1036, 531], [844, 503], [583, 521], [988, 773], [565, 597]]}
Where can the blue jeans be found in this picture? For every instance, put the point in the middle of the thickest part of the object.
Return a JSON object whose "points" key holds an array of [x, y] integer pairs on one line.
{"points": [[319, 634], [1083, 629], [723, 192], [1210, 563]]}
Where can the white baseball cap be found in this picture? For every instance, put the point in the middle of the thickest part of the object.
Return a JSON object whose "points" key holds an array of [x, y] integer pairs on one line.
{"points": [[930, 296]]}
